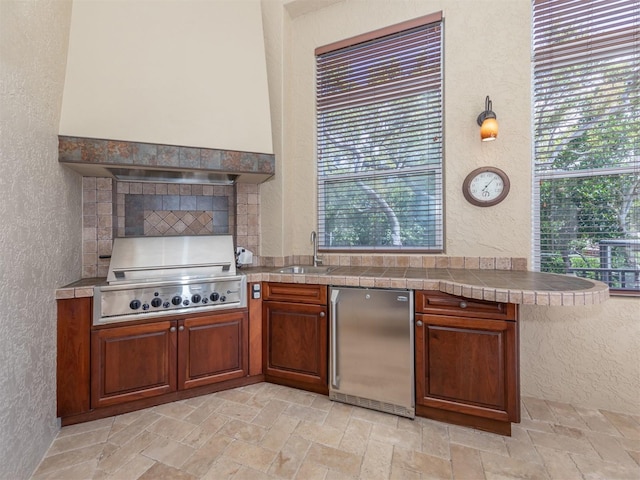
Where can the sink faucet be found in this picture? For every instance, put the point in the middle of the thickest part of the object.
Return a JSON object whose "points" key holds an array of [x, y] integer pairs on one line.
{"points": [[314, 239]]}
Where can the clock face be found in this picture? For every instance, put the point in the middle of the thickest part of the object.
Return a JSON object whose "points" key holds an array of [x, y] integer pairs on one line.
{"points": [[486, 186]]}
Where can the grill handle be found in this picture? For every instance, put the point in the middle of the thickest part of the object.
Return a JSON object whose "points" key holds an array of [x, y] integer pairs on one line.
{"points": [[120, 272]]}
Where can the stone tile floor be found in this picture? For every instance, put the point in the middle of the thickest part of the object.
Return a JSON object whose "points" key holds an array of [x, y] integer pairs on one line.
{"points": [[266, 431]]}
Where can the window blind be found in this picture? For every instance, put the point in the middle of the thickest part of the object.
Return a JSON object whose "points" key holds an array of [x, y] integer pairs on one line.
{"points": [[586, 90], [379, 142]]}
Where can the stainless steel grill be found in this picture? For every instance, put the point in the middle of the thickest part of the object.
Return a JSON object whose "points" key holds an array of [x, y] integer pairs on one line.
{"points": [[155, 276]]}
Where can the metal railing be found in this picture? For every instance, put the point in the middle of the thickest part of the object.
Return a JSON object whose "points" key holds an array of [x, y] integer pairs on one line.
{"points": [[627, 279]]}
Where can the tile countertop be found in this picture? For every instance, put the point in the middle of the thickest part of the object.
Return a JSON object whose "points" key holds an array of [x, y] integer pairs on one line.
{"points": [[508, 286]]}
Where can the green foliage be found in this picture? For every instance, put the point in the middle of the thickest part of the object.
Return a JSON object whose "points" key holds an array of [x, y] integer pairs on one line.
{"points": [[370, 200], [578, 211], [354, 219]]}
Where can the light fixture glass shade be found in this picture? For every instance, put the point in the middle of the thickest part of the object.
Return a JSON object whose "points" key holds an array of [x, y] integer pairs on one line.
{"points": [[489, 129]]}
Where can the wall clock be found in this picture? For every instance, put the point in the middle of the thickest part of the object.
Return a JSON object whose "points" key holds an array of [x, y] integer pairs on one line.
{"points": [[486, 186]]}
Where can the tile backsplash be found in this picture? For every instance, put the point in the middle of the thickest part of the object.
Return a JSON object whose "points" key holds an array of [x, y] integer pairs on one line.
{"points": [[169, 222], [117, 209], [167, 209]]}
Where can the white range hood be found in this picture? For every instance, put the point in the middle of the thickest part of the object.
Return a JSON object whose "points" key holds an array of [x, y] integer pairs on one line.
{"points": [[185, 72]]}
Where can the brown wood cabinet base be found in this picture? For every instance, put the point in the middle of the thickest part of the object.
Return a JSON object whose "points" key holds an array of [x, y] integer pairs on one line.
{"points": [[467, 361], [467, 356], [118, 368], [131, 406], [74, 350], [300, 385], [295, 336], [486, 424]]}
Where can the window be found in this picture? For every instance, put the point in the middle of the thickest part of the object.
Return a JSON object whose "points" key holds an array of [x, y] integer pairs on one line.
{"points": [[587, 140], [379, 140]]}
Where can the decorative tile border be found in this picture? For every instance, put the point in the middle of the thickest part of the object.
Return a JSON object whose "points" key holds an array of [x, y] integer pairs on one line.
{"points": [[480, 284], [136, 200], [598, 293], [403, 261], [170, 222], [157, 214], [115, 152]]}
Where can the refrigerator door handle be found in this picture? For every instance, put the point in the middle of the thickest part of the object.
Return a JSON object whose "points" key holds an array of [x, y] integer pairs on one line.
{"points": [[335, 380]]}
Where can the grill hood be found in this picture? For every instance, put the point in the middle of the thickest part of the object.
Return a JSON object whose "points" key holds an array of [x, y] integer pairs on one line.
{"points": [[146, 259]]}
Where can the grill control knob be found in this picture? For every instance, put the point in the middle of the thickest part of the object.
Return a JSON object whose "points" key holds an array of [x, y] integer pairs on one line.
{"points": [[185, 303], [223, 298], [196, 298], [166, 304], [177, 300], [145, 306], [156, 302], [214, 296], [205, 300], [135, 304]]}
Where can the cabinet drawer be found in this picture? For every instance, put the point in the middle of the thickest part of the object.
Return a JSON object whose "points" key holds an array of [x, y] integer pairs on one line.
{"points": [[440, 303], [296, 292]]}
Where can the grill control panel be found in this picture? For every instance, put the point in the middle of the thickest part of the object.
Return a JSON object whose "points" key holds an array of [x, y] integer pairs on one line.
{"points": [[122, 303]]}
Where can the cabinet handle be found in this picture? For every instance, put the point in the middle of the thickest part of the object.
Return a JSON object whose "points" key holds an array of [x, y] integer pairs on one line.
{"points": [[419, 323], [181, 328], [172, 329], [463, 305], [321, 314]]}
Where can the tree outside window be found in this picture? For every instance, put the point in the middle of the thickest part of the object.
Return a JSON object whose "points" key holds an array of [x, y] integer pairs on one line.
{"points": [[379, 128], [587, 140]]}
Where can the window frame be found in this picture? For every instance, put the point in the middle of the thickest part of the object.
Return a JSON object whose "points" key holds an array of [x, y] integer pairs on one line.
{"points": [[605, 39], [433, 171]]}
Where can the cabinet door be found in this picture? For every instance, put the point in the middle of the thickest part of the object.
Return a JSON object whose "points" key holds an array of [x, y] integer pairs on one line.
{"points": [[468, 366], [212, 349], [295, 344], [132, 362]]}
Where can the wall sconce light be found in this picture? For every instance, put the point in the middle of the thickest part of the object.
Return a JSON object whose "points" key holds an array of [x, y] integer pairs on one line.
{"points": [[488, 123]]}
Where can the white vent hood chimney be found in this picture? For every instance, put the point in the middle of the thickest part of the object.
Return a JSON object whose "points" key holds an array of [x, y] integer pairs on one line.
{"points": [[178, 72]]}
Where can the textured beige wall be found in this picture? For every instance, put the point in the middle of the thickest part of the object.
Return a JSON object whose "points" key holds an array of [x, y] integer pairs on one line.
{"points": [[178, 72], [584, 355], [588, 356], [272, 226], [40, 234], [476, 65]]}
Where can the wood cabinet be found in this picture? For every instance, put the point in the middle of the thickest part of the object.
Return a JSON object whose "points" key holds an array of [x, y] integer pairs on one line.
{"points": [[73, 343], [295, 335], [212, 349], [467, 366], [133, 362]]}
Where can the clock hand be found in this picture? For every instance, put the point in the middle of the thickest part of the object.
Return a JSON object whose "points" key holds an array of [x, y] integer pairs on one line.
{"points": [[487, 185]]}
